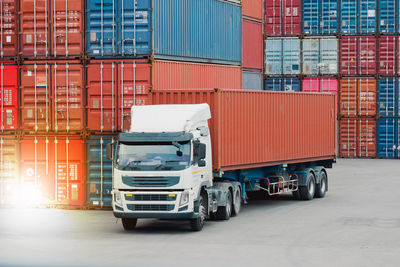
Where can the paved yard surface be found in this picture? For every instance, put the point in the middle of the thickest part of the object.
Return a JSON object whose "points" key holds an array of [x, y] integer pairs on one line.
{"points": [[356, 224]]}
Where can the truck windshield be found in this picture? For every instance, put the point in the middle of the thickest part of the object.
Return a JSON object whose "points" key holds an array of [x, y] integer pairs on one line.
{"points": [[153, 156]]}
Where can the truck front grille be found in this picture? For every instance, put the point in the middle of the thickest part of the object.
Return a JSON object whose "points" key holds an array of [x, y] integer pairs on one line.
{"points": [[150, 197], [145, 181], [150, 207]]}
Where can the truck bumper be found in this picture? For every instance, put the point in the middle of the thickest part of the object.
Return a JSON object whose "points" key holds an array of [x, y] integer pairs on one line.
{"points": [[138, 215]]}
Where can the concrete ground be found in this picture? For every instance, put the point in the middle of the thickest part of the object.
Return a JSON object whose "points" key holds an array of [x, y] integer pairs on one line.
{"points": [[356, 224]]}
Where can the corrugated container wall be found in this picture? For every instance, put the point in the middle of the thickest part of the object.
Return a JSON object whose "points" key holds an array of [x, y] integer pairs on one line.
{"points": [[358, 96], [252, 80], [252, 9], [389, 55], [259, 141], [389, 96], [282, 17], [389, 16], [98, 170], [9, 170], [202, 31], [320, 85], [282, 84], [9, 28], [52, 97], [388, 138], [357, 138], [55, 168], [51, 28], [358, 17], [252, 45], [282, 56], [358, 55], [8, 97], [320, 56], [320, 17]]}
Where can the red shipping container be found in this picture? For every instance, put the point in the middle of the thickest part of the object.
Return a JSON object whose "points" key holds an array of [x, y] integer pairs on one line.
{"points": [[357, 138], [187, 75], [358, 55], [8, 169], [54, 167], [358, 96], [51, 28], [9, 28], [52, 97], [252, 9], [252, 42], [8, 97], [283, 17], [266, 139], [389, 55]]}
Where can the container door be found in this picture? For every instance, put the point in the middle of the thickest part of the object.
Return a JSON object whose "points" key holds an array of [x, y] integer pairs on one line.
{"points": [[367, 55], [291, 85], [102, 97], [367, 16], [387, 55], [366, 138], [135, 28], [67, 30], [348, 97], [398, 138], [329, 85], [349, 17], [8, 97], [387, 143], [387, 16], [387, 88], [273, 17], [36, 98], [291, 56], [35, 28], [311, 85], [311, 16], [133, 90], [101, 27], [366, 97], [9, 178], [310, 56], [329, 17], [273, 56], [291, 19], [348, 138], [348, 46], [68, 171], [99, 171], [273, 84], [328, 56], [9, 30], [68, 97]]}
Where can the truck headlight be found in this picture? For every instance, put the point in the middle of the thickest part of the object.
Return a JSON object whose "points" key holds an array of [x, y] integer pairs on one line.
{"points": [[184, 198], [117, 198]]}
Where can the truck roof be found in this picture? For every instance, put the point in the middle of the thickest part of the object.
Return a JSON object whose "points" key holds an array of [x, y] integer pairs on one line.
{"points": [[168, 118]]}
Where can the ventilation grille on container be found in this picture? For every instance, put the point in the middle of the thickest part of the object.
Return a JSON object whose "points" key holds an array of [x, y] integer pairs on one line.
{"points": [[152, 207], [150, 181]]}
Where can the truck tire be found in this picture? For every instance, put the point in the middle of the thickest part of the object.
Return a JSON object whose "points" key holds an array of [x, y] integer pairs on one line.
{"points": [[225, 212], [237, 203], [307, 192], [129, 224], [322, 187], [198, 223]]}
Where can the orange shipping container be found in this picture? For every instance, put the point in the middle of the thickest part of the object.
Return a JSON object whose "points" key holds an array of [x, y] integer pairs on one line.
{"points": [[254, 128], [358, 96], [252, 9]]}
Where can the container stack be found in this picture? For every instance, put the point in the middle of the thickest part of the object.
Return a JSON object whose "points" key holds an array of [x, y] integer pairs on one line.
{"points": [[252, 43]]}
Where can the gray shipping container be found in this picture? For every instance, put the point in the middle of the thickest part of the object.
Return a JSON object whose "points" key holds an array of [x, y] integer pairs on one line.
{"points": [[320, 55], [282, 56], [252, 80]]}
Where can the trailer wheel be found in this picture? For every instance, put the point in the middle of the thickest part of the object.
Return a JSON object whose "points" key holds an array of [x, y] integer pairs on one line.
{"points": [[307, 192], [198, 223], [322, 187], [237, 203], [225, 212], [129, 224]]}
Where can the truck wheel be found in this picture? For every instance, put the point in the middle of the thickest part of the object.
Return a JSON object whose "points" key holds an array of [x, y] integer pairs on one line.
{"points": [[225, 212], [307, 192], [237, 203], [129, 224], [198, 223], [322, 187]]}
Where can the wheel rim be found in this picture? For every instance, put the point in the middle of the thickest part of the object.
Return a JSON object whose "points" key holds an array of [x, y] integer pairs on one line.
{"points": [[323, 184], [228, 203], [311, 186], [237, 201]]}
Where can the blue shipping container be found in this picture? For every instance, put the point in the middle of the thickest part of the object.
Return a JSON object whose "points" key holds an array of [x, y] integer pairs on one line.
{"points": [[200, 31], [282, 56], [252, 80], [388, 96], [320, 17], [282, 84], [388, 143], [359, 17], [99, 171], [389, 16]]}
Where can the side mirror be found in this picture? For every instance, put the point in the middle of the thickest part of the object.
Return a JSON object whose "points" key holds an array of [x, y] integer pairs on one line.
{"points": [[201, 152], [202, 163], [109, 151]]}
